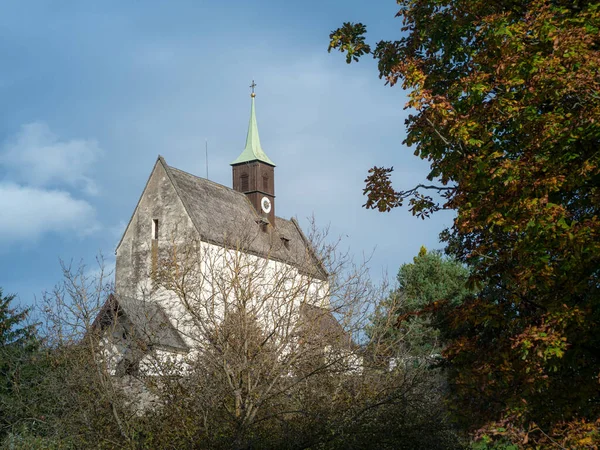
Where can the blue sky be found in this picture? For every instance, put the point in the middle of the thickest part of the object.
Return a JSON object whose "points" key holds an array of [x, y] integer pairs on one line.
{"points": [[92, 92]]}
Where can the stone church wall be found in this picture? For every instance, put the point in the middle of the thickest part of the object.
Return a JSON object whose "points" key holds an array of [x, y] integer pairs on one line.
{"points": [[159, 202], [159, 225]]}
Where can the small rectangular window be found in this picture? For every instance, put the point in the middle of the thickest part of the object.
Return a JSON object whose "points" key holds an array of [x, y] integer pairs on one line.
{"points": [[244, 182], [155, 229], [266, 183]]}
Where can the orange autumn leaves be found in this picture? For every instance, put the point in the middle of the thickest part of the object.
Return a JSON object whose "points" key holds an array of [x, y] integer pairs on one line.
{"points": [[505, 105]]}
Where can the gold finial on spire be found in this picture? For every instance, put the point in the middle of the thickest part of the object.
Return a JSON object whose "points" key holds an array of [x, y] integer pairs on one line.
{"points": [[252, 86]]}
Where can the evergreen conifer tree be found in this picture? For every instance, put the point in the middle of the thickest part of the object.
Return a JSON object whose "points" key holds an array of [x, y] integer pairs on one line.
{"points": [[18, 343]]}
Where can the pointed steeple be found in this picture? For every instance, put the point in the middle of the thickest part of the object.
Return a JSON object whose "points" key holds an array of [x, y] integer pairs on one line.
{"points": [[253, 151]]}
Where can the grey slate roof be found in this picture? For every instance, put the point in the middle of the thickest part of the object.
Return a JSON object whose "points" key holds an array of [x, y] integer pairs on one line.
{"points": [[149, 321], [223, 216], [320, 324]]}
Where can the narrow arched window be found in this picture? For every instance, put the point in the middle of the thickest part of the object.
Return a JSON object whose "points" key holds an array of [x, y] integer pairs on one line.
{"points": [[155, 229]]}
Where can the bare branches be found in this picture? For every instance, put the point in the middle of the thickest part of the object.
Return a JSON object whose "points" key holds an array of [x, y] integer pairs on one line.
{"points": [[220, 343], [72, 306]]}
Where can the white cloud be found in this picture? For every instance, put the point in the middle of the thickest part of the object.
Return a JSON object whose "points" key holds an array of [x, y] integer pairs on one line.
{"points": [[42, 175], [29, 212], [37, 157]]}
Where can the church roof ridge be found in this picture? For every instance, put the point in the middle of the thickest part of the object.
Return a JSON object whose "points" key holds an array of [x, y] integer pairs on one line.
{"points": [[292, 219], [205, 179], [253, 150], [216, 224]]}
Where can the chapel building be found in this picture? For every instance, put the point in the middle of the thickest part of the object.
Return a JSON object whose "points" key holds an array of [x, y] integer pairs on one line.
{"points": [[177, 208]]}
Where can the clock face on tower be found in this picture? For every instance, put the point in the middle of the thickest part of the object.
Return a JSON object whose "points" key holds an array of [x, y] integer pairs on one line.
{"points": [[265, 205]]}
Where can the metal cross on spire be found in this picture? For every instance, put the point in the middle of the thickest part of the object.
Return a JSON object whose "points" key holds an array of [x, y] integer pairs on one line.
{"points": [[252, 86]]}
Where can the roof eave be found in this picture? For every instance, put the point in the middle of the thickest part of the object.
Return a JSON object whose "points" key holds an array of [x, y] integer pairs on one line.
{"points": [[239, 162]]}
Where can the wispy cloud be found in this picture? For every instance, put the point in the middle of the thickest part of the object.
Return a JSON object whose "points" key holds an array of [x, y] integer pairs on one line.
{"points": [[37, 157], [43, 175], [29, 212]]}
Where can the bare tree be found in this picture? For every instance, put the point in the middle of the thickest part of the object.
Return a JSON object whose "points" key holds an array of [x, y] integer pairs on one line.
{"points": [[259, 326], [227, 347], [86, 405], [272, 345]]}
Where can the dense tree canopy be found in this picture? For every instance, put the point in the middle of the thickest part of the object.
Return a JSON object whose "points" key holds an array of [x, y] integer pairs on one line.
{"points": [[505, 105], [431, 277]]}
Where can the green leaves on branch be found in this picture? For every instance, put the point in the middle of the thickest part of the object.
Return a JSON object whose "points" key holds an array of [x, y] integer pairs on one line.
{"points": [[505, 107], [382, 196], [349, 39]]}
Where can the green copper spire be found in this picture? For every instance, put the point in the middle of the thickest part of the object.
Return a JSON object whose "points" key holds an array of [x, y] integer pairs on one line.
{"points": [[253, 150]]}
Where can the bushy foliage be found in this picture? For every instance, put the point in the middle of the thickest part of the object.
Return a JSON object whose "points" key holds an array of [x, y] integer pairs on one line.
{"points": [[505, 106], [415, 313], [238, 392]]}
